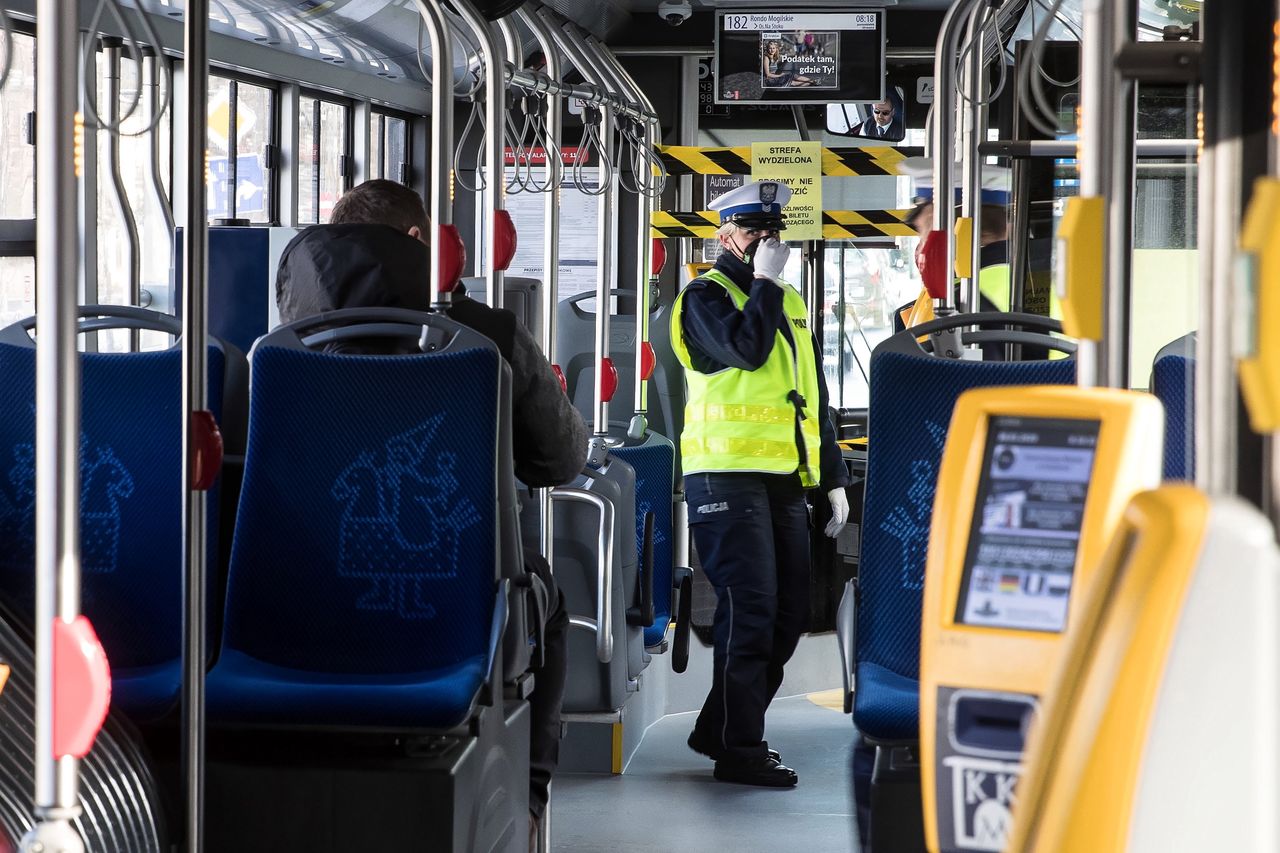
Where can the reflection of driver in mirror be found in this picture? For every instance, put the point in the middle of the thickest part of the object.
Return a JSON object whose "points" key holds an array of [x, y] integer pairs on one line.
{"points": [[884, 122], [775, 71]]}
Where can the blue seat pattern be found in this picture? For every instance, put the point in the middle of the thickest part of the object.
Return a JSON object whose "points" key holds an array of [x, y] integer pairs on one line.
{"points": [[130, 509], [364, 565], [654, 463], [1173, 382], [912, 398]]}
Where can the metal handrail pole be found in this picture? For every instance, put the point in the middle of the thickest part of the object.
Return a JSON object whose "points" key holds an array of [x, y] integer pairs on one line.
{"points": [[645, 206], [943, 139], [439, 205], [195, 395], [57, 530], [495, 116], [115, 186], [606, 269], [550, 241]]}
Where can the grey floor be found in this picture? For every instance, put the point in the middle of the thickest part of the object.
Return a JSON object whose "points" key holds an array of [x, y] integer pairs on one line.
{"points": [[667, 799]]}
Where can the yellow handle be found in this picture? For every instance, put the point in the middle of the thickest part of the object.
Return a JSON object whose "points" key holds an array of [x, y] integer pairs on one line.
{"points": [[1257, 268], [964, 247], [1080, 266]]}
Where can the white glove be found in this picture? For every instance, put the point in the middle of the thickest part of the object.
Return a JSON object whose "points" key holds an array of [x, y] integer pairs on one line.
{"points": [[839, 512], [771, 258]]}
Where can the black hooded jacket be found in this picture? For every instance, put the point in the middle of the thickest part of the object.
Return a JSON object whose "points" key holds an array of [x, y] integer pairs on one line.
{"points": [[329, 267]]}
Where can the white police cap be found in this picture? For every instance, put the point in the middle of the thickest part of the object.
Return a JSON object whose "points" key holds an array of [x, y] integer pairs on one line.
{"points": [[996, 180], [758, 201]]}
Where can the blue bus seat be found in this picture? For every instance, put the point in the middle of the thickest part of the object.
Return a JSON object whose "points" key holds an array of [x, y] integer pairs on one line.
{"points": [[575, 353], [654, 463], [376, 532], [130, 498], [912, 395], [1173, 381]]}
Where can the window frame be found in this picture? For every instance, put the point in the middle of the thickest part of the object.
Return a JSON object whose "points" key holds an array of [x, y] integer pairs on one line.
{"points": [[378, 113], [271, 154], [347, 166]]}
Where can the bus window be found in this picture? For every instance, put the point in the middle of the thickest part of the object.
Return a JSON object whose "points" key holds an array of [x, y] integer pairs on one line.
{"points": [[324, 141], [17, 289], [154, 240], [389, 148], [17, 178], [18, 163], [862, 288], [243, 168]]}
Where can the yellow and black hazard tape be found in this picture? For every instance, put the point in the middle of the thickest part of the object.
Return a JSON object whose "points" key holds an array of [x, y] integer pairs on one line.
{"points": [[836, 224], [836, 162]]}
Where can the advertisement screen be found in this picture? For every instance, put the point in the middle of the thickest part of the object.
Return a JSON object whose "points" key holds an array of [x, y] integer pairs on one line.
{"points": [[1026, 525], [805, 57]]}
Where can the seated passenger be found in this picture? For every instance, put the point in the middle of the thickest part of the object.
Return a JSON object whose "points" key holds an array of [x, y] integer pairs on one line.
{"points": [[374, 254]]}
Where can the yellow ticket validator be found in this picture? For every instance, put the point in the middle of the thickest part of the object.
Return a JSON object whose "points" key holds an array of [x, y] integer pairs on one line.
{"points": [[1032, 484]]}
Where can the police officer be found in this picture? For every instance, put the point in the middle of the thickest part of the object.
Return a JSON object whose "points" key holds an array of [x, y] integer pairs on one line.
{"points": [[993, 262], [756, 437]]}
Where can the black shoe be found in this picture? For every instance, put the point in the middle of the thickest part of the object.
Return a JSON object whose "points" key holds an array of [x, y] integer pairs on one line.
{"points": [[763, 772], [702, 748]]}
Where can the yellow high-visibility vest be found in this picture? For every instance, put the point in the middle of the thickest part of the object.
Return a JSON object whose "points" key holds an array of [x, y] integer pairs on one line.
{"points": [[745, 420]]}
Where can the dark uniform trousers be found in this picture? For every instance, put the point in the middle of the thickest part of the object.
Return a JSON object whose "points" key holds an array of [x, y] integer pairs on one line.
{"points": [[751, 532]]}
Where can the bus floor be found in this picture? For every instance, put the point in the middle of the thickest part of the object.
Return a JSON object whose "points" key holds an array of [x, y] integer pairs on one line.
{"points": [[667, 800]]}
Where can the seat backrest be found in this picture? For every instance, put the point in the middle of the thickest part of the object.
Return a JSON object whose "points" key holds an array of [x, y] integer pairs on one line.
{"points": [[575, 353], [654, 462], [521, 296], [369, 536], [912, 398], [1173, 381], [130, 494]]}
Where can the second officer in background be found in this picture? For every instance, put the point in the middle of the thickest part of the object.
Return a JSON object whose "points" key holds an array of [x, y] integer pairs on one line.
{"points": [[757, 436]]}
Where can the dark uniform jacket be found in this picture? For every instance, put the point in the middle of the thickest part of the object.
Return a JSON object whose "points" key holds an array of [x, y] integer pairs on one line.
{"points": [[718, 336], [328, 267]]}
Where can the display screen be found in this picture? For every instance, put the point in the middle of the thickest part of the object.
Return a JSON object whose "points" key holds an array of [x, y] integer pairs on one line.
{"points": [[1026, 526], [805, 57]]}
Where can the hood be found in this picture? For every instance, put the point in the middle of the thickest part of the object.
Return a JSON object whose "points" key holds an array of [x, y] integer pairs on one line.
{"points": [[328, 267]]}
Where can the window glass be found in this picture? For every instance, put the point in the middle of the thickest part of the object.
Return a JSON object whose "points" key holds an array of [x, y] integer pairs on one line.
{"points": [[306, 157], [863, 287], [114, 283], [256, 118], [377, 162], [17, 158], [397, 150], [17, 289], [333, 148], [239, 184]]}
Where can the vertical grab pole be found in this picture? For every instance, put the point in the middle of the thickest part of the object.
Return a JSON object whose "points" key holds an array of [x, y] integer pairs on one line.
{"points": [[495, 116], [646, 205], [550, 239], [606, 269], [975, 85], [943, 139], [119, 197], [57, 410], [195, 380], [1120, 191], [441, 175], [1097, 47], [151, 67]]}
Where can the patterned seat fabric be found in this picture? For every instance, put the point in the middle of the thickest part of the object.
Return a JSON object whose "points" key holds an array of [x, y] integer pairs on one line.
{"points": [[1173, 381], [912, 398], [130, 509], [363, 578]]}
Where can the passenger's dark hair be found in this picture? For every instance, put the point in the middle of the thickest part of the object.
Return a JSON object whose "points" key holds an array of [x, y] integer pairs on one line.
{"points": [[382, 202]]}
